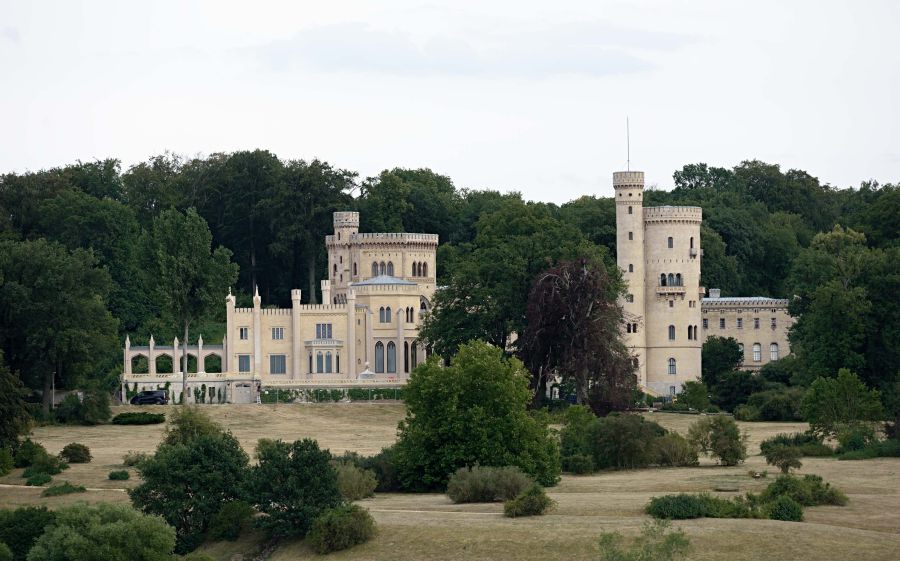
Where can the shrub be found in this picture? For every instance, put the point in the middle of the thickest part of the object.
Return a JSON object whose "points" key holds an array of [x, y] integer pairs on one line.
{"points": [[674, 450], [781, 404], [746, 413], [188, 423], [64, 488], [480, 484], [133, 458], [785, 508], [28, 451], [720, 437], [882, 449], [831, 403], [808, 443], [784, 457], [811, 490], [20, 528], [92, 409], [5, 552], [355, 483], [48, 464], [852, 438], [684, 506], [695, 395], [231, 519], [578, 464], [6, 461], [119, 475], [38, 479], [655, 543], [292, 484], [383, 466], [533, 502], [139, 418], [340, 528], [623, 441], [104, 531], [76, 453]]}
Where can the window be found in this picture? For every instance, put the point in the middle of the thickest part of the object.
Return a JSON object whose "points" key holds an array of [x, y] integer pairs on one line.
{"points": [[381, 315], [628, 328], [629, 297], [243, 333], [379, 357], [354, 269], [671, 333], [391, 357], [671, 243], [310, 363], [335, 268], [414, 354], [740, 323], [671, 279], [634, 328], [678, 279], [662, 279], [774, 323], [672, 391], [390, 268], [387, 315], [374, 269], [721, 323], [672, 367], [773, 351], [406, 356], [323, 331], [243, 363], [692, 242], [328, 362], [630, 236], [755, 323], [757, 352], [630, 210], [414, 269], [705, 323], [277, 364], [337, 362], [278, 333], [630, 267], [320, 362], [382, 268], [690, 333], [671, 303], [424, 269]]}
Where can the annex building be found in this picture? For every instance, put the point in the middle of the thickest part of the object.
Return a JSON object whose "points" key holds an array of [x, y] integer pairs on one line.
{"points": [[668, 314], [379, 287]]}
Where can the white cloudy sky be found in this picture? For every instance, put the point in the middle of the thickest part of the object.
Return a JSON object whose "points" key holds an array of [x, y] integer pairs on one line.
{"points": [[530, 96]]}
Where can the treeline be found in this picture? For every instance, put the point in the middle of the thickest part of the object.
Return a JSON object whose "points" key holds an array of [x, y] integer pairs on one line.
{"points": [[92, 224]]}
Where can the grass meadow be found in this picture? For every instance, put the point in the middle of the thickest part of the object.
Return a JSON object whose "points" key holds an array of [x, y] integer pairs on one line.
{"points": [[428, 526]]}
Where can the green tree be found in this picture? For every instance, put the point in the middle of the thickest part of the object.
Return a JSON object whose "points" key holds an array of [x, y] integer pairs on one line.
{"points": [[21, 527], [53, 316], [784, 457], [188, 482], [293, 484], [472, 412], [834, 402], [192, 278], [151, 187], [574, 330], [695, 395], [15, 418], [720, 437], [720, 356], [104, 532]]}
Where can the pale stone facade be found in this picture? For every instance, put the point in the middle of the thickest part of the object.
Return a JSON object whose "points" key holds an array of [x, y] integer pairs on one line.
{"points": [[379, 287]]}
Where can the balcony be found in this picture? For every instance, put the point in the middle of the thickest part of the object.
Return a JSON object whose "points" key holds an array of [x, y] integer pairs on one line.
{"points": [[670, 290]]}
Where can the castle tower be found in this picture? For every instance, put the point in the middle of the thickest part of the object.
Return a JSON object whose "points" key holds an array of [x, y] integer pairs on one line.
{"points": [[346, 225], [629, 195]]}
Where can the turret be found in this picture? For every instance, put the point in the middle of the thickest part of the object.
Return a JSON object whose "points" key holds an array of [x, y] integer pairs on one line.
{"points": [[629, 195]]}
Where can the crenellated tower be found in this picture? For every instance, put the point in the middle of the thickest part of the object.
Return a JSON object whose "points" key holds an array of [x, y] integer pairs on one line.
{"points": [[629, 195]]}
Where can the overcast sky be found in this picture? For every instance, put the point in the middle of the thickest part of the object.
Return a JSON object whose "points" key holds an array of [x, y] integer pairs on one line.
{"points": [[528, 96]]}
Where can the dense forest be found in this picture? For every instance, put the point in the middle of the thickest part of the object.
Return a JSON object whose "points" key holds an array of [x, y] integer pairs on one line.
{"points": [[81, 251]]}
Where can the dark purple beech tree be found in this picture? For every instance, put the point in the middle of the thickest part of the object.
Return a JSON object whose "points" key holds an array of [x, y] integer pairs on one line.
{"points": [[574, 330]]}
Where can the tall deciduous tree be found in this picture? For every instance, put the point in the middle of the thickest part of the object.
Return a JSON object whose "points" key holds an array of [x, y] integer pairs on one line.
{"points": [[720, 356], [574, 322], [844, 400], [192, 277], [53, 315], [14, 415]]}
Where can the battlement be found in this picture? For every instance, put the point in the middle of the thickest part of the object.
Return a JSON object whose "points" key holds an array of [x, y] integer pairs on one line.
{"points": [[395, 237], [673, 214], [628, 180], [346, 220]]}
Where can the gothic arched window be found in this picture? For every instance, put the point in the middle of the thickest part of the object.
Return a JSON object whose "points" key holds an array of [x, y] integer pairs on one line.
{"points": [[390, 268], [379, 357], [671, 333], [374, 269], [672, 366], [391, 357]]}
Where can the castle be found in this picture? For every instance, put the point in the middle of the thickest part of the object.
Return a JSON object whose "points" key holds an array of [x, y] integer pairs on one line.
{"points": [[667, 315], [379, 286], [378, 289]]}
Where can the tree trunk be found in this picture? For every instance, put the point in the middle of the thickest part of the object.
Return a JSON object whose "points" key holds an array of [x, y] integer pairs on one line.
{"points": [[184, 362], [311, 276]]}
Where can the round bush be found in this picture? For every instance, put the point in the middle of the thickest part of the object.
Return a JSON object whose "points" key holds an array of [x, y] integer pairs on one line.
{"points": [[483, 484], [340, 528], [38, 479], [229, 521], [119, 475], [28, 452], [355, 483], [133, 458], [578, 464], [76, 453], [674, 450], [533, 502], [786, 508]]}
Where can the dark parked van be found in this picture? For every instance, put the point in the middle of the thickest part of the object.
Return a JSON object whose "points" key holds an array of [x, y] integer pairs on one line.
{"points": [[151, 397]]}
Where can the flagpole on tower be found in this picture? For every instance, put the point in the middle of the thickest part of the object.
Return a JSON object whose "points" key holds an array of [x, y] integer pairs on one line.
{"points": [[628, 143]]}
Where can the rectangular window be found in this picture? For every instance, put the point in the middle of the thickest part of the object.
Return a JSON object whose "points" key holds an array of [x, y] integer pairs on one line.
{"points": [[740, 323], [277, 364], [244, 333], [755, 323], [243, 363], [774, 323], [323, 331], [629, 297], [721, 323], [705, 323], [672, 390], [757, 353], [630, 236], [278, 333]]}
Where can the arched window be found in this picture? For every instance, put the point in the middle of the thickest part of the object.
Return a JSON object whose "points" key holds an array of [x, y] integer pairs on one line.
{"points": [[379, 357], [382, 268], [418, 269], [671, 333], [374, 269], [406, 356], [690, 332], [391, 357], [773, 351], [388, 318], [414, 270], [634, 328], [320, 363], [328, 362], [672, 367], [422, 306], [671, 242], [630, 210], [424, 269], [630, 267], [662, 279], [390, 268], [678, 279], [671, 279], [757, 352], [381, 315], [414, 353]]}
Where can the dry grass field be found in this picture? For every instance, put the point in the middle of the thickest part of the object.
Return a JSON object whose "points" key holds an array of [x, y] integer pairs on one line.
{"points": [[420, 527]]}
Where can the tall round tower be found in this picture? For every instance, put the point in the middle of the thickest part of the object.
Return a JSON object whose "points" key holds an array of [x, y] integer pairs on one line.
{"points": [[629, 194], [346, 225]]}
